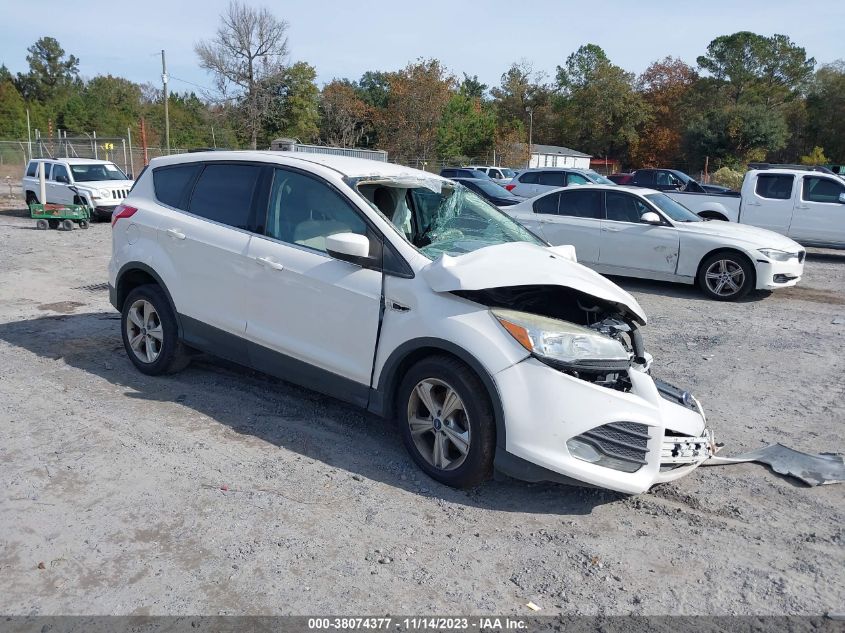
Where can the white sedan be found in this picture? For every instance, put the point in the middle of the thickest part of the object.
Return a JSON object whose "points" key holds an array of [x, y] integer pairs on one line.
{"points": [[635, 232]]}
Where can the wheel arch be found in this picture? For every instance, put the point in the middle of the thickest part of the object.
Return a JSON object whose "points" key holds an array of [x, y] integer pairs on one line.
{"points": [[729, 249], [710, 214], [383, 397], [134, 274]]}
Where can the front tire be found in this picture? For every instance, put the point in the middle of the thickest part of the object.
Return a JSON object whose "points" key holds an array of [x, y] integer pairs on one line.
{"points": [[726, 276], [446, 421], [150, 332]]}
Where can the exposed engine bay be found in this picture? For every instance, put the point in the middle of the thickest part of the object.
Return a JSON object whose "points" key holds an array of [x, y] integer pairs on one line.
{"points": [[567, 304]]}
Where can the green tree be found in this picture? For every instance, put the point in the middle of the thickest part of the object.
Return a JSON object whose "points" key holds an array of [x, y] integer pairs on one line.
{"points": [[294, 109], [111, 104], [826, 110], [816, 157], [466, 129], [50, 72], [374, 88], [472, 87], [12, 112], [600, 110]]}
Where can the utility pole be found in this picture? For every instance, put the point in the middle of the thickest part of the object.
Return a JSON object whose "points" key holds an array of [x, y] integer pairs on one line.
{"points": [[28, 134], [530, 111], [166, 113]]}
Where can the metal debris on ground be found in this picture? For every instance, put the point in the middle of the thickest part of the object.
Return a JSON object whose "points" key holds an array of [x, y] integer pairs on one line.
{"points": [[813, 470]]}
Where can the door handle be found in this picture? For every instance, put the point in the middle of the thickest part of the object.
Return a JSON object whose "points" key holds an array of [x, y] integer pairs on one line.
{"points": [[176, 234], [802, 206], [611, 229], [266, 261]]}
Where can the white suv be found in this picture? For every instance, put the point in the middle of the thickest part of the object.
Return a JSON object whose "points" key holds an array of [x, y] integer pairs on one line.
{"points": [[100, 184], [407, 294], [499, 175], [533, 182]]}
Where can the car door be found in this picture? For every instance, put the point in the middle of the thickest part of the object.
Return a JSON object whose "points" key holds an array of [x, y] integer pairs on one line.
{"points": [[819, 216], [207, 244], [310, 313], [770, 204], [632, 247], [59, 185], [643, 178], [577, 221]]}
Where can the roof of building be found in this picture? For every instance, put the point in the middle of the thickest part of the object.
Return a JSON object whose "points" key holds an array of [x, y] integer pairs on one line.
{"points": [[554, 149]]}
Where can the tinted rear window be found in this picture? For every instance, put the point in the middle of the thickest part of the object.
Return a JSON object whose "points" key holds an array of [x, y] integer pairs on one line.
{"points": [[553, 178], [528, 178], [173, 184], [32, 170], [774, 186], [223, 193]]}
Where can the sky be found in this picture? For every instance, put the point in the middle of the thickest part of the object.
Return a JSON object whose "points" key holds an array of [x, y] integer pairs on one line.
{"points": [[344, 39]]}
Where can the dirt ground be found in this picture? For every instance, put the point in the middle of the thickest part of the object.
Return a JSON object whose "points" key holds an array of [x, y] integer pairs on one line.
{"points": [[223, 491]]}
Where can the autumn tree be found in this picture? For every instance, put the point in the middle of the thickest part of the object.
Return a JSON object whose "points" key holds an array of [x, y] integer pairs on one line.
{"points": [[417, 96], [245, 56], [664, 86], [343, 114], [600, 110]]}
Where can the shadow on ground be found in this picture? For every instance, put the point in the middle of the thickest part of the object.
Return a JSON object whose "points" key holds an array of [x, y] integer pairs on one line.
{"points": [[680, 291], [282, 414]]}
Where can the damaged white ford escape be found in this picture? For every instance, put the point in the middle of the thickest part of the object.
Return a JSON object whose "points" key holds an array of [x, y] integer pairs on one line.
{"points": [[407, 294]]}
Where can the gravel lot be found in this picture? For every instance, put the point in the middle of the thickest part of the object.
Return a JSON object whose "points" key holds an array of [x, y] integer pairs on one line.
{"points": [[220, 490]]}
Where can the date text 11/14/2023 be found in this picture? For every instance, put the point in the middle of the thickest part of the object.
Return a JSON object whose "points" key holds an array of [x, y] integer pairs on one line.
{"points": [[421, 623]]}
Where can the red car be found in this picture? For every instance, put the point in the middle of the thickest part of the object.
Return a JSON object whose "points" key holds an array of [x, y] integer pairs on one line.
{"points": [[621, 179]]}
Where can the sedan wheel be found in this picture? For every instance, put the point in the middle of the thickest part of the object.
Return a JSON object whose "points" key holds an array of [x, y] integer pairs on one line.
{"points": [[144, 332], [439, 424], [726, 277]]}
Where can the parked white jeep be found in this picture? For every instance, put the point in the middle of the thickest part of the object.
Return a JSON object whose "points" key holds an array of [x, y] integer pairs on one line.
{"points": [[100, 184]]}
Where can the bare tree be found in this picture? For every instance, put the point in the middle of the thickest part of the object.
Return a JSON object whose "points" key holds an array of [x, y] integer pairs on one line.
{"points": [[250, 47]]}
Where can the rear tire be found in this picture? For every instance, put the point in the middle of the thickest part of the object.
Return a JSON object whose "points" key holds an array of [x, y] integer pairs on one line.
{"points": [[446, 421], [150, 332], [726, 276]]}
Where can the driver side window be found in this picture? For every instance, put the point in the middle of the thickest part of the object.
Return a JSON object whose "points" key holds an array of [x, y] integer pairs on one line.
{"points": [[60, 173], [622, 207], [305, 211]]}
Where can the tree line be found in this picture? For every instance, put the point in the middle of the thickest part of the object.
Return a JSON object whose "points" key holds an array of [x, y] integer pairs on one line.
{"points": [[748, 97]]}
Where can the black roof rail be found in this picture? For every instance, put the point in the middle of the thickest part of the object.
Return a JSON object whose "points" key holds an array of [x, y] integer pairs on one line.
{"points": [[763, 166]]}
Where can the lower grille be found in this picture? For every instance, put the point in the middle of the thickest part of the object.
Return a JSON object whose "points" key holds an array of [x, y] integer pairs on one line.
{"points": [[627, 441]]}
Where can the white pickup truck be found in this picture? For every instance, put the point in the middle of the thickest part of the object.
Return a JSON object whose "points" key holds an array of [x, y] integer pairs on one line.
{"points": [[807, 205]]}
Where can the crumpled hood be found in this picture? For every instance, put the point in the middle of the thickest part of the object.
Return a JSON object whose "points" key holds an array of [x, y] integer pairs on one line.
{"points": [[525, 264], [753, 236]]}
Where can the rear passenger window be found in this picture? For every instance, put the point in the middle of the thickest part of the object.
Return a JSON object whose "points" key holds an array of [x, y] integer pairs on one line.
{"points": [[223, 193], [173, 184], [580, 204], [774, 186], [553, 178], [821, 189], [528, 178], [644, 177], [547, 204]]}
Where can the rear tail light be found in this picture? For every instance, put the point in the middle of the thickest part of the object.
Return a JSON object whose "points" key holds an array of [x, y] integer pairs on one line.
{"points": [[122, 211], [510, 187]]}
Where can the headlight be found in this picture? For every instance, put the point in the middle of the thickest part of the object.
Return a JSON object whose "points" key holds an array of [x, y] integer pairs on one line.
{"points": [[562, 343], [777, 255]]}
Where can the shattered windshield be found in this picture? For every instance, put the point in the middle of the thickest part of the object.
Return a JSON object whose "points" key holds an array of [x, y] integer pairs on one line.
{"points": [[451, 221]]}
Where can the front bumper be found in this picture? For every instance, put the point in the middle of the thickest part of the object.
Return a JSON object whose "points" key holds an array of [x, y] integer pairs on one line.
{"points": [[772, 275], [544, 408]]}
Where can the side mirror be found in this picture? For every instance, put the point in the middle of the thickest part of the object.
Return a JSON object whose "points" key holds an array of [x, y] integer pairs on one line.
{"points": [[349, 247], [842, 198], [650, 217]]}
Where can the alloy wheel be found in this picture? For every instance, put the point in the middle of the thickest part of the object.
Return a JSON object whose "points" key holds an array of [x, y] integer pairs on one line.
{"points": [[439, 424], [724, 277], [144, 332]]}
